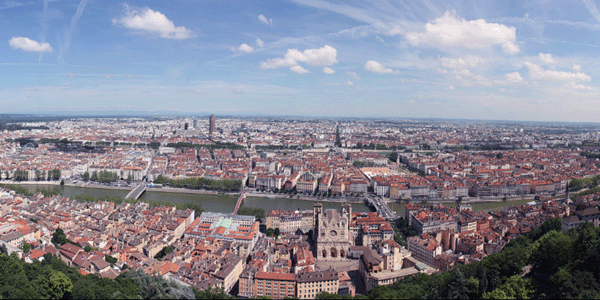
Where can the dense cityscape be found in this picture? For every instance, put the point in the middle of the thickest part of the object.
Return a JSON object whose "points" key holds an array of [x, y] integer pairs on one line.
{"points": [[299, 149], [416, 179]]}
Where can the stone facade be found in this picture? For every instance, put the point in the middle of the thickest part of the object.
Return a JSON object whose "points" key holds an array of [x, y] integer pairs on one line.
{"points": [[333, 238]]}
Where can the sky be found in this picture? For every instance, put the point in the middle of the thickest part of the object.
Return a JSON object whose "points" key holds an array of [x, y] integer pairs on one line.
{"points": [[496, 60]]}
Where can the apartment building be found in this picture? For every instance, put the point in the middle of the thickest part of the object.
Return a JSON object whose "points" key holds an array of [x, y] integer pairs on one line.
{"points": [[310, 284], [275, 285]]}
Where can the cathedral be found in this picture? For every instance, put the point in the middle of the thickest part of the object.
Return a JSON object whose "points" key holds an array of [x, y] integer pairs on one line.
{"points": [[331, 234]]}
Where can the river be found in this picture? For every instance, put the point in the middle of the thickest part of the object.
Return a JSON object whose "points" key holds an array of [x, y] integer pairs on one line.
{"points": [[213, 203]]}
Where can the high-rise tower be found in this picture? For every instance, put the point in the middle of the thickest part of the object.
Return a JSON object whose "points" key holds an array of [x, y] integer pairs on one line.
{"points": [[212, 126]]}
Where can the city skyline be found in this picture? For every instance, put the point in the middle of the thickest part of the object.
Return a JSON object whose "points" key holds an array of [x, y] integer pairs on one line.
{"points": [[533, 61]]}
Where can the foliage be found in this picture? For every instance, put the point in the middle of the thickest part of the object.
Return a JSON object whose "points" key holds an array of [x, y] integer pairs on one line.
{"points": [[338, 142], [54, 174], [257, 212], [59, 237], [91, 198], [109, 259], [393, 156], [363, 164], [18, 189], [104, 176], [563, 265], [514, 288], [86, 176], [163, 252], [25, 247], [156, 287], [201, 183], [211, 293], [214, 146], [53, 279], [276, 232], [19, 175]]}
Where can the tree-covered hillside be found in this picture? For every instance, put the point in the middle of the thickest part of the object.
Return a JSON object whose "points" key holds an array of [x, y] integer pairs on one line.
{"points": [[53, 279], [544, 264]]}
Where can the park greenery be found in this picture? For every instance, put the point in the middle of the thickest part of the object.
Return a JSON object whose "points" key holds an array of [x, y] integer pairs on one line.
{"points": [[582, 183], [257, 212], [102, 176], [590, 155], [201, 183]]}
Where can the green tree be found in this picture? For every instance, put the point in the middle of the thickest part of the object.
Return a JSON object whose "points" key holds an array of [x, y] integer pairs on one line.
{"points": [[58, 237], [87, 248], [109, 259], [129, 179], [86, 176], [277, 232], [94, 176], [514, 288], [211, 293], [59, 284], [25, 247], [270, 232]]}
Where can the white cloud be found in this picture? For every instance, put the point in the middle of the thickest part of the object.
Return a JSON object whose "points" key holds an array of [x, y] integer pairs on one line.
{"points": [[537, 72], [265, 21], [461, 63], [328, 70], [451, 87], [299, 70], [547, 58], [579, 87], [109, 76], [374, 66], [514, 77], [349, 82], [28, 45], [450, 30], [353, 75], [576, 68], [146, 19], [71, 75], [260, 43], [245, 48], [325, 56]]}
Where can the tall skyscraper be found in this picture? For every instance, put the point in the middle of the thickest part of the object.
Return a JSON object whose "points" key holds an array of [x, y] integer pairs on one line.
{"points": [[212, 127], [195, 124]]}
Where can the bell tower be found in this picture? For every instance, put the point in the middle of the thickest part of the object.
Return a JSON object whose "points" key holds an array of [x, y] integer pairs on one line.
{"points": [[317, 212]]}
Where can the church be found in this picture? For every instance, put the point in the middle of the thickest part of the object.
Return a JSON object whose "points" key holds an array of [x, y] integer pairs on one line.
{"points": [[331, 234]]}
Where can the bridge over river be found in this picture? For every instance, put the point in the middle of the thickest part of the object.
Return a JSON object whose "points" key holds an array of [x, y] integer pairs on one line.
{"points": [[137, 192], [381, 207]]}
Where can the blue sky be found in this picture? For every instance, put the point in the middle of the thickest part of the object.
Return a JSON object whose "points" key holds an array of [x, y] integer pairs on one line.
{"points": [[505, 60]]}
